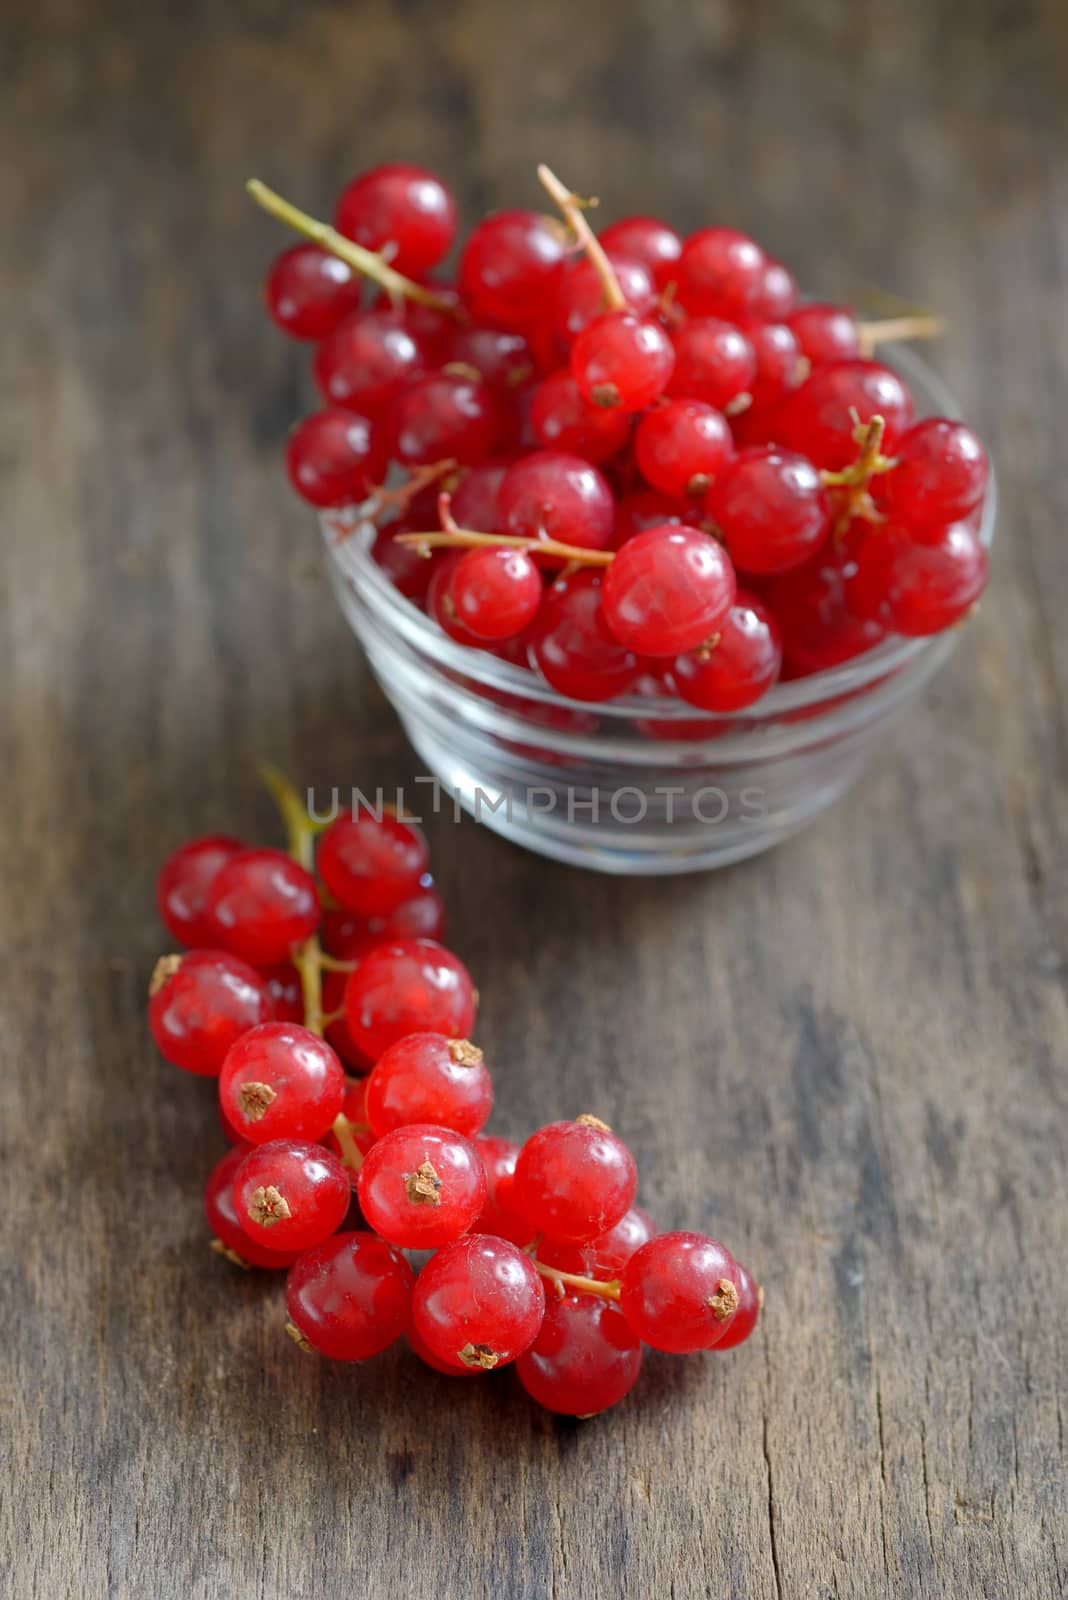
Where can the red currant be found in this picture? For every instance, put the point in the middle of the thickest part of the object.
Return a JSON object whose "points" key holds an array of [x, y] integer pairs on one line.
{"points": [[509, 265], [499, 1215], [350, 1297], [580, 293], [261, 904], [426, 1077], [183, 884], [478, 1302], [502, 357], [571, 646], [912, 588], [335, 458], [279, 1081], [371, 864], [367, 361], [564, 421], [647, 508], [223, 1219], [420, 916], [679, 447], [648, 240], [714, 362], [289, 1195], [820, 418], [739, 667], [284, 987], [308, 291], [721, 273], [451, 1369], [408, 986], [476, 501], [404, 566], [605, 1256], [574, 1180], [200, 1003], [770, 508], [940, 476], [421, 1186], [405, 212], [439, 601], [622, 361], [444, 417], [584, 1359], [809, 605], [680, 1292], [495, 593], [778, 295], [355, 1113], [826, 333], [747, 1315], [668, 590], [779, 363], [549, 495]]}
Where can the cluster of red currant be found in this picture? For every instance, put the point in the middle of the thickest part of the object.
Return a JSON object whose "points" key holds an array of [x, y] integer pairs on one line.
{"points": [[626, 423], [246, 1005]]}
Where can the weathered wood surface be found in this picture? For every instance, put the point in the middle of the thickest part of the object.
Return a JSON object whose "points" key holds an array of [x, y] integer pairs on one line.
{"points": [[848, 1058]]}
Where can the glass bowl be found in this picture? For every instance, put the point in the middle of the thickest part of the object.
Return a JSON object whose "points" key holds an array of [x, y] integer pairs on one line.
{"points": [[635, 785]]}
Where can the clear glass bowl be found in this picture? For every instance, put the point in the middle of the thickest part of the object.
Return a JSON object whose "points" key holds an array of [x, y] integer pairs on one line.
{"points": [[634, 785]]}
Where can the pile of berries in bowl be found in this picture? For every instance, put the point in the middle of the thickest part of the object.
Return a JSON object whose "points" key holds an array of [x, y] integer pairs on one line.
{"points": [[358, 1133], [645, 550]]}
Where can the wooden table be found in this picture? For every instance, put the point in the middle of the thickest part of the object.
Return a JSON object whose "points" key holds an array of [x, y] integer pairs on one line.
{"points": [[847, 1058]]}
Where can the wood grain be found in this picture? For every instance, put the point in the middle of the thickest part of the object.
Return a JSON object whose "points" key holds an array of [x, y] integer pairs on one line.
{"points": [[848, 1058]]}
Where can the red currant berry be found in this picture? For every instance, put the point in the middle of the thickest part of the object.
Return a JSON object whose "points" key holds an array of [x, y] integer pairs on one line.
{"points": [[308, 291], [444, 416], [336, 1032], [646, 508], [223, 1220], [744, 1320], [714, 362], [668, 590], [826, 333], [183, 884], [571, 646], [261, 904], [549, 495], [778, 293], [499, 1215], [574, 1180], [404, 566], [821, 417], [739, 667], [421, 1186], [648, 240], [584, 1359], [476, 502], [770, 508], [562, 420], [495, 593], [940, 476], [366, 362], [779, 363], [408, 986], [680, 1292], [479, 1302], [605, 1256], [350, 1297], [809, 605], [622, 361], [502, 357], [420, 916], [451, 1369], [335, 458], [657, 683], [279, 1081], [721, 273], [580, 293], [680, 446], [509, 265], [405, 212], [916, 589], [426, 1077], [284, 987], [200, 1003], [439, 601], [355, 1113], [371, 864], [289, 1195]]}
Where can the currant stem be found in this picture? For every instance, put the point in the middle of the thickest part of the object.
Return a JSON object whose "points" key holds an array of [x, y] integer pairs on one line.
{"points": [[890, 329], [366, 262], [467, 539], [852, 482], [608, 1290], [572, 209]]}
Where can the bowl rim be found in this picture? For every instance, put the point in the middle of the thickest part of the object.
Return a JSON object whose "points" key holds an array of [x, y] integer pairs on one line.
{"points": [[348, 539]]}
